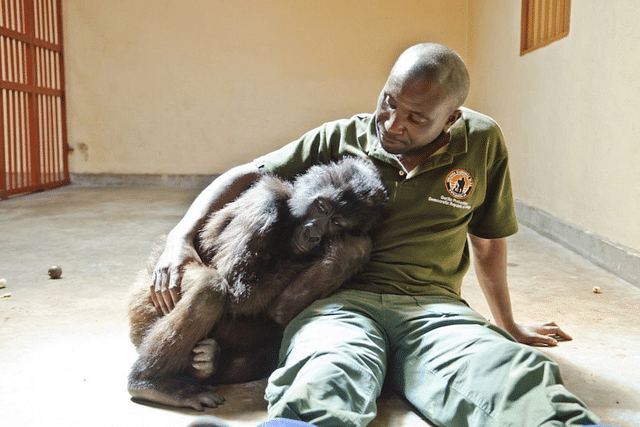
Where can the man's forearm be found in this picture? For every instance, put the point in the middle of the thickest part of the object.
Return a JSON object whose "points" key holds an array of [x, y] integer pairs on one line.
{"points": [[224, 189], [490, 262]]}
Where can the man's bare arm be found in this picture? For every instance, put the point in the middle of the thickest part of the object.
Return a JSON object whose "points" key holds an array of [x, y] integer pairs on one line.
{"points": [[179, 249], [490, 262]]}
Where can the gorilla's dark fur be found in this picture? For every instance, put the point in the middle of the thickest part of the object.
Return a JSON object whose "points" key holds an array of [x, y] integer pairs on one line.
{"points": [[265, 257]]}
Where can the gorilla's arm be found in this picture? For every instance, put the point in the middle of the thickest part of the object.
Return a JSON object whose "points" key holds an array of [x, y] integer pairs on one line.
{"points": [[342, 258], [179, 249]]}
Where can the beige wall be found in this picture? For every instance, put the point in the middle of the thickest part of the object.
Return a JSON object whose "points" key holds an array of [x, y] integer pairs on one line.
{"points": [[180, 87], [569, 111]]}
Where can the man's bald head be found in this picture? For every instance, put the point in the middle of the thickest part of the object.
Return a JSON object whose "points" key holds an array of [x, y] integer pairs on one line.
{"points": [[437, 64]]}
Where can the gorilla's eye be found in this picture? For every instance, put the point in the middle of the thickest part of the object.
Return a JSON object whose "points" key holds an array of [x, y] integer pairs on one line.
{"points": [[339, 222], [323, 207]]}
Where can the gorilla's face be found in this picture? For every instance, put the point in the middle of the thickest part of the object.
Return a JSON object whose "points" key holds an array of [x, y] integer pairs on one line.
{"points": [[322, 220], [339, 198]]}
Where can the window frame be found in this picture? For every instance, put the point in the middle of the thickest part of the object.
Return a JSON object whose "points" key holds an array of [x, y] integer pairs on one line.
{"points": [[543, 22]]}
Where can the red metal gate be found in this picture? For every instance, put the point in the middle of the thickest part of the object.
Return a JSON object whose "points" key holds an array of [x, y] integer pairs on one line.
{"points": [[33, 134]]}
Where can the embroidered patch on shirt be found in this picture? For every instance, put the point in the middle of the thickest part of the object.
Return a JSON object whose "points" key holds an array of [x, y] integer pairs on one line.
{"points": [[459, 184]]}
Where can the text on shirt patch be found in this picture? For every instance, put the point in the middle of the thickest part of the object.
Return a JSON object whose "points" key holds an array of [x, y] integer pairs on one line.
{"points": [[449, 201]]}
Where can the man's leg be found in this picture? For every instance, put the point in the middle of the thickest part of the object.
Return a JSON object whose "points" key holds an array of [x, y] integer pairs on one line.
{"points": [[332, 363], [457, 369]]}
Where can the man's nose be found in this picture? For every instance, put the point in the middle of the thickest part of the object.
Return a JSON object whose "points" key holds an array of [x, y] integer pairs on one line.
{"points": [[392, 124]]}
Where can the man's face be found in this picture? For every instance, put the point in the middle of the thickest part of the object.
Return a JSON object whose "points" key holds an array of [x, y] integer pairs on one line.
{"points": [[411, 113]]}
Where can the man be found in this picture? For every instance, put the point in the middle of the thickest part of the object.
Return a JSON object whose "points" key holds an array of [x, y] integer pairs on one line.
{"points": [[402, 318]]}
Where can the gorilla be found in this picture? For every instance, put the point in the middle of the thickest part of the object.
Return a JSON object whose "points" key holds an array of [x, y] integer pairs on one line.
{"points": [[265, 257]]}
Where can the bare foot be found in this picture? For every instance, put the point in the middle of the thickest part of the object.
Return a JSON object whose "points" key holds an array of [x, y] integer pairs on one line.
{"points": [[205, 356], [184, 395]]}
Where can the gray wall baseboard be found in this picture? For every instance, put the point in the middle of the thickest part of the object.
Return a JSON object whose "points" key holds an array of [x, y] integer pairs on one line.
{"points": [[617, 259]]}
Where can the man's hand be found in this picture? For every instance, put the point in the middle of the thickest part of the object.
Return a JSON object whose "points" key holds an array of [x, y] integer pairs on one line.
{"points": [[546, 334], [167, 274]]}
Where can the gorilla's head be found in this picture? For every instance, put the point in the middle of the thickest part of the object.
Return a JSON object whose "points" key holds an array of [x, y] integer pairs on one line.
{"points": [[343, 197]]}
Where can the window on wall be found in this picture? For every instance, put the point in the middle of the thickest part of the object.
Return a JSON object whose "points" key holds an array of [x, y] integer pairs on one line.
{"points": [[543, 22], [33, 136]]}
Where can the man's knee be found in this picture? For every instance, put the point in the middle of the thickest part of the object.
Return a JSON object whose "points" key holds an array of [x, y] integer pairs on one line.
{"points": [[325, 391], [333, 364]]}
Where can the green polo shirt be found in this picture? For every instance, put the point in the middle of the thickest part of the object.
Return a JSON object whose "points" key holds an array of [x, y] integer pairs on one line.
{"points": [[420, 246]]}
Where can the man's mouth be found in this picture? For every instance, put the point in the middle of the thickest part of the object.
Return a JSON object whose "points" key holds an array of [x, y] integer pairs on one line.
{"points": [[386, 139], [392, 140]]}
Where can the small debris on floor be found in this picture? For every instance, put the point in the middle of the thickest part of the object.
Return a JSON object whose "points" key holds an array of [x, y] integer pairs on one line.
{"points": [[55, 272], [596, 290]]}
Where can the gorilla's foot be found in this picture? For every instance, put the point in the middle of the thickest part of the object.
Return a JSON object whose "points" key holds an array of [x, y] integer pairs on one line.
{"points": [[205, 356], [181, 392]]}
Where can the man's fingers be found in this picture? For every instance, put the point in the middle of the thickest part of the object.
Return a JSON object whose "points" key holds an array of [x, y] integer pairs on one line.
{"points": [[168, 301], [548, 334], [559, 332], [158, 289], [547, 340], [175, 296], [154, 298], [564, 335], [537, 339], [552, 328], [165, 290], [156, 281], [174, 289]]}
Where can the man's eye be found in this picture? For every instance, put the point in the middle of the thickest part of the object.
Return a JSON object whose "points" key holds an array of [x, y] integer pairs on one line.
{"points": [[387, 103]]}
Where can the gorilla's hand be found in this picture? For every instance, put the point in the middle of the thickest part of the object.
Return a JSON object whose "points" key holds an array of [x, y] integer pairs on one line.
{"points": [[167, 274]]}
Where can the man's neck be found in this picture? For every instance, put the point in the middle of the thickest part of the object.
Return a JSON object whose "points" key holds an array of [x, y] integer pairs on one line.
{"points": [[411, 160]]}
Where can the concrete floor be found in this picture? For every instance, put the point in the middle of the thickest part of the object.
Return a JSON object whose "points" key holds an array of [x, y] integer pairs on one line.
{"points": [[65, 355]]}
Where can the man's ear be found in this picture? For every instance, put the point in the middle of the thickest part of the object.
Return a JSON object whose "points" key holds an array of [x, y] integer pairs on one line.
{"points": [[452, 119]]}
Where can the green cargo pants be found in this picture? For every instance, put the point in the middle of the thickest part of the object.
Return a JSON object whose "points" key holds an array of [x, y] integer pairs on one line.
{"points": [[445, 359]]}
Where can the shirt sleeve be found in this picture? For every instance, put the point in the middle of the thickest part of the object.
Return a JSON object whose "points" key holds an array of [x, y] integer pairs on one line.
{"points": [[329, 142], [496, 218], [297, 156]]}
